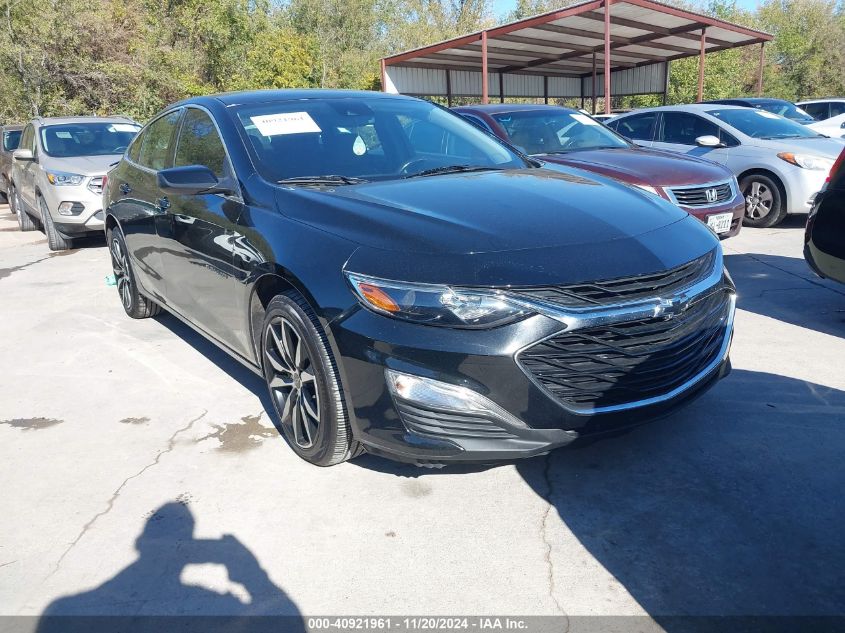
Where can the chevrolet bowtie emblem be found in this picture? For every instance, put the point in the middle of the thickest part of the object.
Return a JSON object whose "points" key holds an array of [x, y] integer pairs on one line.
{"points": [[667, 308]]}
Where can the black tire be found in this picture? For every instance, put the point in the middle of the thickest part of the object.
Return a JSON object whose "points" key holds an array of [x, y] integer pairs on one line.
{"points": [[134, 303], [55, 240], [25, 222], [764, 203], [302, 378]]}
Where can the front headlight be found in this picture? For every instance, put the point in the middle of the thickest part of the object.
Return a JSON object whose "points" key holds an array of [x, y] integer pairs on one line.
{"points": [[435, 305], [806, 161], [59, 178]]}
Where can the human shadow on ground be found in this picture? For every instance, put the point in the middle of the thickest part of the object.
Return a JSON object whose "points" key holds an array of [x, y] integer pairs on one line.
{"points": [[150, 594], [785, 289], [732, 506]]}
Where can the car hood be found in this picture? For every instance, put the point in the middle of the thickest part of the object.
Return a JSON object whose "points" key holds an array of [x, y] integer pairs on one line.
{"points": [[481, 212], [84, 165], [824, 147], [643, 166]]}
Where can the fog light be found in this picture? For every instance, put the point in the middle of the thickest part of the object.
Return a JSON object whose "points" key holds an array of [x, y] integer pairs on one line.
{"points": [[445, 397], [70, 208]]}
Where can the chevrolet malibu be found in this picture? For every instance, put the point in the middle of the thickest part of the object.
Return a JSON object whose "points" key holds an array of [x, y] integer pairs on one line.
{"points": [[409, 286]]}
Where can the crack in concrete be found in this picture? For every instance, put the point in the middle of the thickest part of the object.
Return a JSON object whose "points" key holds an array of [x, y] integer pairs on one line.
{"points": [[792, 274], [547, 467], [171, 443]]}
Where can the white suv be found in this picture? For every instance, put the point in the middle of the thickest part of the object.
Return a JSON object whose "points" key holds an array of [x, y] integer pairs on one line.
{"points": [[58, 172]]}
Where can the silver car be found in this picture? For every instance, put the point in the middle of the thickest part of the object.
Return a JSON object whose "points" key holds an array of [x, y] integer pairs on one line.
{"points": [[58, 171], [780, 164]]}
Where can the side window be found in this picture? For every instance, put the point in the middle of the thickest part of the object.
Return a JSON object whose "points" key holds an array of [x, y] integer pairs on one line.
{"points": [[200, 144], [639, 127], [683, 128], [11, 140], [27, 138], [818, 111], [728, 139], [837, 108], [135, 147], [158, 139]]}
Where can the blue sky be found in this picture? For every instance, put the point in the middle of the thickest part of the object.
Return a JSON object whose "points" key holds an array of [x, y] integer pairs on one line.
{"points": [[503, 7]]}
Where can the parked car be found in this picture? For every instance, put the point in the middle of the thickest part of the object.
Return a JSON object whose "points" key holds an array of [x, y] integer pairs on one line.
{"points": [[780, 164], [824, 238], [414, 287], [781, 107], [834, 127], [10, 136], [823, 109], [58, 172], [567, 137]]}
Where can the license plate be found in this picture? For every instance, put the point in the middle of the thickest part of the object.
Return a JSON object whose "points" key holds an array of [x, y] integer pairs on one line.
{"points": [[721, 222]]}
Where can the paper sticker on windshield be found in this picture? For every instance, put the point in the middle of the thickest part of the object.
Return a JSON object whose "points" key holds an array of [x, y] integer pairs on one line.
{"points": [[122, 127], [285, 123], [359, 147], [63, 135], [583, 118], [768, 115]]}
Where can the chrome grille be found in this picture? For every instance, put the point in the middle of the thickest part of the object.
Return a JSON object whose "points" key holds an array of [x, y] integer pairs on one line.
{"points": [[625, 363], [96, 184], [623, 290], [702, 196]]}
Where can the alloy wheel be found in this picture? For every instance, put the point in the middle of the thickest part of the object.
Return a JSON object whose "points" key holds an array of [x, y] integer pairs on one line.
{"points": [[292, 381], [121, 273], [758, 200]]}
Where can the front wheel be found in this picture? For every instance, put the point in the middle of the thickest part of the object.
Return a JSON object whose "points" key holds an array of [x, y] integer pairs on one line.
{"points": [[55, 240], [134, 303], [764, 205], [303, 381]]}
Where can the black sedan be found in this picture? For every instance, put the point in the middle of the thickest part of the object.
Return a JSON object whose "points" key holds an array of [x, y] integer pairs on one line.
{"points": [[824, 237], [408, 285]]}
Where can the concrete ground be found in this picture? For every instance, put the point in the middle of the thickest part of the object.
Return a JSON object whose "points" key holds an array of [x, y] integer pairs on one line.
{"points": [[140, 474]]}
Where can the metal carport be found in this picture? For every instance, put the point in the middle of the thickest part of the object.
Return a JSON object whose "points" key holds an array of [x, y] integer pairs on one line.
{"points": [[597, 47]]}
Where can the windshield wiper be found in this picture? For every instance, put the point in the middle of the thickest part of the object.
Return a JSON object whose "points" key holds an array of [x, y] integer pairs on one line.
{"points": [[329, 179], [450, 169]]}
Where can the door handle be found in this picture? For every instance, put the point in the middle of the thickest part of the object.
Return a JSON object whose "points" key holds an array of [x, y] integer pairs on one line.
{"points": [[125, 188], [162, 204]]}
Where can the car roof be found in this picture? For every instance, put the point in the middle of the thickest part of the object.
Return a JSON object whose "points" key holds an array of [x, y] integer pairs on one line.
{"points": [[64, 120], [821, 100], [748, 100], [294, 94], [13, 126], [501, 108], [689, 107]]}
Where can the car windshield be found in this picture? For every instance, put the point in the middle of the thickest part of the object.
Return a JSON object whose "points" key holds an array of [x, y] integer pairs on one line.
{"points": [[349, 140], [786, 109], [11, 140], [762, 124], [87, 139], [544, 132]]}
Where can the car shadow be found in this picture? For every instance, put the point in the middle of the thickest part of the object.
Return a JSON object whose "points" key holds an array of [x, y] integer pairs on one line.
{"points": [[784, 288], [151, 593], [730, 507]]}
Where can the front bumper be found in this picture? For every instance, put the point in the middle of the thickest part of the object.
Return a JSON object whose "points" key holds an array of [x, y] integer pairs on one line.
{"points": [[486, 362], [735, 207], [86, 213], [802, 185]]}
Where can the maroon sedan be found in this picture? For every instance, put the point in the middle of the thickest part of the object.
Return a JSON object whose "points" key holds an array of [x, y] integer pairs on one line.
{"points": [[560, 135]]}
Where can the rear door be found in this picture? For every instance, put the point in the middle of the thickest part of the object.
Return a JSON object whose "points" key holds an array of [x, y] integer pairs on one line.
{"points": [[137, 200], [638, 128], [201, 239]]}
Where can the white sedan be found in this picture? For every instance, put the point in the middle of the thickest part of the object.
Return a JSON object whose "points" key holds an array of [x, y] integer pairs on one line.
{"points": [[834, 127]]}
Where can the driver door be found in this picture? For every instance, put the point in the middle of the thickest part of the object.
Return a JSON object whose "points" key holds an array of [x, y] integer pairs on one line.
{"points": [[677, 132]]}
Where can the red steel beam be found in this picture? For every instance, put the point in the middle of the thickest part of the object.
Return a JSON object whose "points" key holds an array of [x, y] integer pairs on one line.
{"points": [[607, 57], [760, 64], [485, 97], [701, 64]]}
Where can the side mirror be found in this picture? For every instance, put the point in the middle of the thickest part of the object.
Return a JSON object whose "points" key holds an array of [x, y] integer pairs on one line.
{"points": [[708, 140], [190, 181], [23, 155]]}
